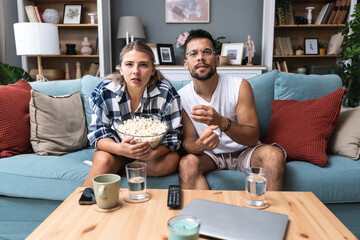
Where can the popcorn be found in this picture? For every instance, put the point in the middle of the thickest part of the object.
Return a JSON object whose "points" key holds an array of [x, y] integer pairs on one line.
{"points": [[143, 129]]}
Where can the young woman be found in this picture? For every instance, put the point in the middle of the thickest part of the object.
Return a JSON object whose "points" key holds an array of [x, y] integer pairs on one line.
{"points": [[138, 88]]}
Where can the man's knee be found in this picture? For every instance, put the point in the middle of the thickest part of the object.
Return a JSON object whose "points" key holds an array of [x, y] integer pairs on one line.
{"points": [[189, 164], [270, 156]]}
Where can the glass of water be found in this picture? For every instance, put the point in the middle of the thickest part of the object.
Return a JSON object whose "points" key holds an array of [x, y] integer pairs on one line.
{"points": [[255, 185], [136, 179]]}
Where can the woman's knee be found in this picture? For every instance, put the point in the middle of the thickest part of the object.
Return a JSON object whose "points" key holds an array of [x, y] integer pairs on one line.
{"points": [[106, 161]]}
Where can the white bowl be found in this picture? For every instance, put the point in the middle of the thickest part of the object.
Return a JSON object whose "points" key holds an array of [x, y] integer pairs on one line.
{"points": [[154, 140]]}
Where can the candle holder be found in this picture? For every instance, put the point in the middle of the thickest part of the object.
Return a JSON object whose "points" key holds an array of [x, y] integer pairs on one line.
{"points": [[183, 227], [309, 15], [92, 17]]}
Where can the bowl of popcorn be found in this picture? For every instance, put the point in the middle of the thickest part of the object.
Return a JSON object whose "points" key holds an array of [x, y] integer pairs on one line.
{"points": [[144, 128]]}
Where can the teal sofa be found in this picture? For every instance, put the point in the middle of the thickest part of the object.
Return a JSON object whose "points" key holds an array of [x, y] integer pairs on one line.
{"points": [[32, 186]]}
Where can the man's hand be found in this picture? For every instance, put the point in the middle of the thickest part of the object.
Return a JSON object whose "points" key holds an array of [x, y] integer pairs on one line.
{"points": [[206, 114], [209, 140], [133, 149]]}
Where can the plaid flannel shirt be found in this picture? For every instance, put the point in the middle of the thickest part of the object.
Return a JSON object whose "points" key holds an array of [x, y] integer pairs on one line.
{"points": [[110, 101]]}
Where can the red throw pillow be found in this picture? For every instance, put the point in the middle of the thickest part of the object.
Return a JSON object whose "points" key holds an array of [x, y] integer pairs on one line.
{"points": [[303, 128], [15, 119]]}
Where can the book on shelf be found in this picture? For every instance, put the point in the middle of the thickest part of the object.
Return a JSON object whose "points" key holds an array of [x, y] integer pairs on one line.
{"points": [[279, 42], [38, 12], [344, 12], [94, 69], [96, 46], [281, 16], [322, 14], [339, 11], [283, 67], [334, 12], [34, 13], [280, 66], [289, 46], [328, 13], [277, 50], [29, 13]]}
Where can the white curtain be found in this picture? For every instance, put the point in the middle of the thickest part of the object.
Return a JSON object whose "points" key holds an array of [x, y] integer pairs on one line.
{"points": [[2, 33]]}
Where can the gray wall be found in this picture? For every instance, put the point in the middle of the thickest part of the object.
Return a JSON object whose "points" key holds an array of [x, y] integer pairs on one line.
{"points": [[234, 19], [10, 17]]}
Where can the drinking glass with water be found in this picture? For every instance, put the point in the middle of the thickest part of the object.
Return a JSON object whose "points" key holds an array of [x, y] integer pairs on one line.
{"points": [[136, 178], [255, 185]]}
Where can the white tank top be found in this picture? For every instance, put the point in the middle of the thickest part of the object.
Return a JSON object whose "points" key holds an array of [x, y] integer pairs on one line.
{"points": [[223, 100]]}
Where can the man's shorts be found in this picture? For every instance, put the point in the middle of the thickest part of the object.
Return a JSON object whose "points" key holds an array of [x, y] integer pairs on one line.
{"points": [[237, 160]]}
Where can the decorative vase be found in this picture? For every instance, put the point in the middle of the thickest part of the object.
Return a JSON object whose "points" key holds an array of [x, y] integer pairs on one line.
{"points": [[309, 15], [86, 49], [51, 16], [70, 49]]}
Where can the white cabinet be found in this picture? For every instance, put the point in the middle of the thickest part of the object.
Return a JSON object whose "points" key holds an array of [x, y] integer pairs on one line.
{"points": [[179, 73]]}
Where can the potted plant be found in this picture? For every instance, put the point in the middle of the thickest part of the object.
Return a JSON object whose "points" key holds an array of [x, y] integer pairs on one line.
{"points": [[349, 66], [322, 46], [11, 74], [282, 11]]}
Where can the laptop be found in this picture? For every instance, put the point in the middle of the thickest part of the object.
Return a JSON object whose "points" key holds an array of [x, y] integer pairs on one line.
{"points": [[226, 221]]}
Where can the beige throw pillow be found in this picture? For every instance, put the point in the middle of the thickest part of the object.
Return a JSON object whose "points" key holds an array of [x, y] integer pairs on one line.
{"points": [[57, 124], [345, 140]]}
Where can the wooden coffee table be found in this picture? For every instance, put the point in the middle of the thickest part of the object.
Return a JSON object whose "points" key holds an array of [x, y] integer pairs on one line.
{"points": [[308, 216]]}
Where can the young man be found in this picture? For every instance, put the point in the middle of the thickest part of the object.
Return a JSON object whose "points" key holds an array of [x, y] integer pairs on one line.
{"points": [[221, 128]]}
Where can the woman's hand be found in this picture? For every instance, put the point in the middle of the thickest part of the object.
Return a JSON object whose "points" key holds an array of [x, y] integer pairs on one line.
{"points": [[133, 149]]}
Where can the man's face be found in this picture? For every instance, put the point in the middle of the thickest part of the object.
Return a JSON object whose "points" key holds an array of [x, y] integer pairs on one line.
{"points": [[202, 66]]}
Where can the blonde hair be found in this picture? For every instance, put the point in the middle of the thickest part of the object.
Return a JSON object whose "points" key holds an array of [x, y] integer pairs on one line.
{"points": [[141, 46]]}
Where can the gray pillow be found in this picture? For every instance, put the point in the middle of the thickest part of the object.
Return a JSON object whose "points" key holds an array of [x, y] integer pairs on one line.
{"points": [[345, 139], [57, 124]]}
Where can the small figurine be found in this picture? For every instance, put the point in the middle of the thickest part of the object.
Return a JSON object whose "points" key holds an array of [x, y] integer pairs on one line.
{"points": [[250, 46]]}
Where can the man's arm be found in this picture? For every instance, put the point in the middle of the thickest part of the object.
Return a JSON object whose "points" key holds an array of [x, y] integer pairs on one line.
{"points": [[246, 131], [208, 139]]}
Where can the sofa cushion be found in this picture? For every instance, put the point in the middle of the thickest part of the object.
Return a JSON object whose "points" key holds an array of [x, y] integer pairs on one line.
{"points": [[15, 119], [335, 182], [303, 87], [345, 140], [88, 84], [57, 123], [303, 128], [57, 88], [263, 88], [43, 177]]}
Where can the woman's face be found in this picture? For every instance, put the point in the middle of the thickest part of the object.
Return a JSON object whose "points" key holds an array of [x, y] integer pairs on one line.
{"points": [[137, 69]]}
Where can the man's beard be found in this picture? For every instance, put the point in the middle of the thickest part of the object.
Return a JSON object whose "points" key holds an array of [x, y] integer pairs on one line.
{"points": [[197, 76]]}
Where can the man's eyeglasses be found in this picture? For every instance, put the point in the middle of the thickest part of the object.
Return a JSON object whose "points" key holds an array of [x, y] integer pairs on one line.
{"points": [[206, 52]]}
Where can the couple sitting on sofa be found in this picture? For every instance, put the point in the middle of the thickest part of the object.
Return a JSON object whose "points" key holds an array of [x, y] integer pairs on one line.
{"points": [[220, 111]]}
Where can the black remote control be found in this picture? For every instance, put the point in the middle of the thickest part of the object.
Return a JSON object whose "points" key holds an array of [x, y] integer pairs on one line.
{"points": [[174, 196]]}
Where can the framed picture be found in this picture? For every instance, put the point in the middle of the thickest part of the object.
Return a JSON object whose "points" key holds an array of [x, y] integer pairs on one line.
{"points": [[72, 13], [187, 11], [166, 54], [154, 50], [234, 51], [311, 46]]}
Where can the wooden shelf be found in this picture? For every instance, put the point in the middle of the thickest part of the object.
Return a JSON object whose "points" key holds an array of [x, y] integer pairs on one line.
{"points": [[86, 25], [307, 56], [68, 56], [312, 26]]}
